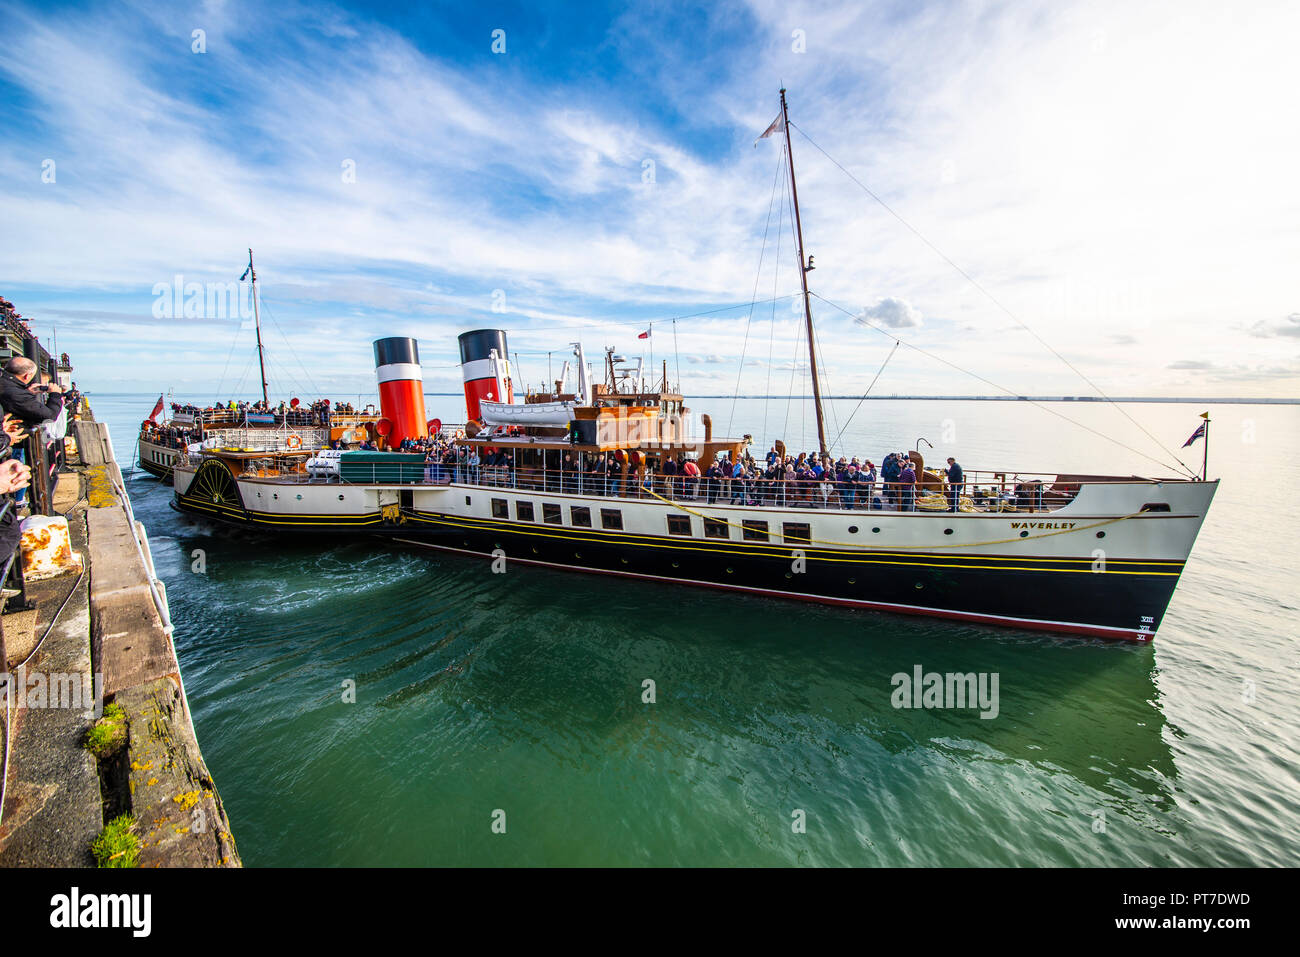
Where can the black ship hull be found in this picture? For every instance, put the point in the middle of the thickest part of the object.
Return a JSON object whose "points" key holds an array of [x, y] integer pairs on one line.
{"points": [[1063, 595]]}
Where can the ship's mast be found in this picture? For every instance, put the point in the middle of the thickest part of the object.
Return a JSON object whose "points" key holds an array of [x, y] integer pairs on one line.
{"points": [[257, 324], [804, 268]]}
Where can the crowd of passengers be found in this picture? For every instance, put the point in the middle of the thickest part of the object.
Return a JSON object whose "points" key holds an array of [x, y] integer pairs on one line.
{"points": [[168, 436], [317, 414], [806, 480]]}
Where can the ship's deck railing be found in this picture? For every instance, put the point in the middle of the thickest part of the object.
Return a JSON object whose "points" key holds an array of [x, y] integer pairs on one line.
{"points": [[982, 491], [293, 418], [241, 438], [997, 492]]}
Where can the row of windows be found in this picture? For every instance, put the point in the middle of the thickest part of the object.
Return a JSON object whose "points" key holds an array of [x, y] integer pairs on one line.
{"points": [[752, 530], [579, 515]]}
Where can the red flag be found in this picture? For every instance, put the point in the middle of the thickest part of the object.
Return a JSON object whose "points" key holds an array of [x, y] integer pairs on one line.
{"points": [[644, 335], [158, 407]]}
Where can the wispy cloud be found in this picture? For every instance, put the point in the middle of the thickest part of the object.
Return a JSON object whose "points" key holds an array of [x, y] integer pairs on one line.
{"points": [[397, 176]]}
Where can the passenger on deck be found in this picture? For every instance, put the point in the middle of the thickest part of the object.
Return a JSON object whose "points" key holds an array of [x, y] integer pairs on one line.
{"points": [[690, 477], [669, 472], [907, 486], [867, 483], [712, 482], [955, 482], [846, 483]]}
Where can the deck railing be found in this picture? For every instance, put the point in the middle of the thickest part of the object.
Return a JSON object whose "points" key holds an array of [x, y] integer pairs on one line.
{"points": [[983, 491]]}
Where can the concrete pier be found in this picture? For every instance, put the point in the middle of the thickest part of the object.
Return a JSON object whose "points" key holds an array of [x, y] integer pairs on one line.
{"points": [[111, 637]]}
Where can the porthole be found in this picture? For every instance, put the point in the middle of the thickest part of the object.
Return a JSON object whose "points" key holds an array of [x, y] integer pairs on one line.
{"points": [[534, 549], [788, 575], [300, 498], [340, 498], [577, 554], [853, 529], [276, 495], [1024, 534], [675, 565], [947, 531], [1101, 534], [853, 581], [730, 571], [623, 560], [876, 529], [919, 586]]}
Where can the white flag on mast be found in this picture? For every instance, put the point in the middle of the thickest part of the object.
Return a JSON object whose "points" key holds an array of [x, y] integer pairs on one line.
{"points": [[778, 126]]}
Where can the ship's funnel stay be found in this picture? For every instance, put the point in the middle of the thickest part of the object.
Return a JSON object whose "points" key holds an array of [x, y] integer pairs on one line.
{"points": [[485, 364], [401, 388]]}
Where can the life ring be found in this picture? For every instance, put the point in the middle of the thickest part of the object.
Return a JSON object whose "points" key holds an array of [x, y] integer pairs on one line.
{"points": [[294, 441], [460, 434]]}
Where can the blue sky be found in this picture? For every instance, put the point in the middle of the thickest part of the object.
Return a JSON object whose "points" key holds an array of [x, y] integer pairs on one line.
{"points": [[1120, 177]]}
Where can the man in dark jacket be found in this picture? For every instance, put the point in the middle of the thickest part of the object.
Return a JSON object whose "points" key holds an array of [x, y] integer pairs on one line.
{"points": [[955, 482], [29, 408]]}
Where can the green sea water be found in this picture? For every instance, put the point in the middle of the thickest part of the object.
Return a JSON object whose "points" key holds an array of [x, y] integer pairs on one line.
{"points": [[519, 699]]}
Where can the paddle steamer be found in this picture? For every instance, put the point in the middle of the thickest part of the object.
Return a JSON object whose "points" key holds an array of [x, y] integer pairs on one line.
{"points": [[579, 479], [159, 446]]}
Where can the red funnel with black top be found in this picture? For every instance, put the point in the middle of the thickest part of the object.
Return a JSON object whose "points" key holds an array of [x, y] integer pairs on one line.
{"points": [[401, 388], [485, 365]]}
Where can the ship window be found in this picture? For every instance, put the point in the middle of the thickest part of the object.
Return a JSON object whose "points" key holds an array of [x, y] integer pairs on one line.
{"points": [[1156, 507], [524, 511], [796, 532], [755, 531], [716, 528], [580, 515], [611, 518], [679, 525], [551, 514], [500, 508]]}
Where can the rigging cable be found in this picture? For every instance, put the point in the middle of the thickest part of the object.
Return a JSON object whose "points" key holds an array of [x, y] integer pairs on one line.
{"points": [[789, 392], [821, 357], [640, 323], [771, 341], [744, 346], [868, 392], [938, 358], [266, 306], [677, 356], [995, 301], [233, 342]]}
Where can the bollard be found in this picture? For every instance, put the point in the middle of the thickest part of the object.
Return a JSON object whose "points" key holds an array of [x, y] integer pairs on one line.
{"points": [[45, 548]]}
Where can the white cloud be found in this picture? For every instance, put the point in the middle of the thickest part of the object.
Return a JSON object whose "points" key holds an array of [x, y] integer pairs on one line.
{"points": [[1080, 161], [892, 313]]}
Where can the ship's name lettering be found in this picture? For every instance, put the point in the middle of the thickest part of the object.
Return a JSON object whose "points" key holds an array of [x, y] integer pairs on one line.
{"points": [[1018, 525]]}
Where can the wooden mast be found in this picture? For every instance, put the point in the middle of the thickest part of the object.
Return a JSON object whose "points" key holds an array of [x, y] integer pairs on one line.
{"points": [[257, 323], [803, 279]]}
